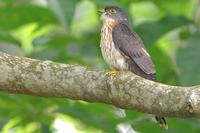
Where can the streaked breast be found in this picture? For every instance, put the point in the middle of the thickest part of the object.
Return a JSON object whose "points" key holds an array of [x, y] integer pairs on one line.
{"points": [[111, 55]]}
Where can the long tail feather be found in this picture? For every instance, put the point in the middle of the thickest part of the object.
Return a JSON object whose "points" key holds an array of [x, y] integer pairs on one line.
{"points": [[161, 120]]}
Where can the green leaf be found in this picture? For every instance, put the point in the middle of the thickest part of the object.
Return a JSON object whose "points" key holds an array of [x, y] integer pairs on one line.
{"points": [[188, 61], [150, 32], [6, 2], [178, 125], [145, 11], [8, 38], [93, 115], [85, 19], [12, 17], [165, 70], [104, 3], [176, 7], [64, 9]]}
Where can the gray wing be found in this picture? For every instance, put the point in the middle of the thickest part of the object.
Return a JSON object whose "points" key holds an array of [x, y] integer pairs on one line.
{"points": [[131, 45]]}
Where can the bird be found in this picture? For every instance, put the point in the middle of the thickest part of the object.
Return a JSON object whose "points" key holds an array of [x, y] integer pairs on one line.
{"points": [[123, 49]]}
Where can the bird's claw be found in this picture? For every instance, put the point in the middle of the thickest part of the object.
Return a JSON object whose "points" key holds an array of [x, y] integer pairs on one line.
{"points": [[112, 73]]}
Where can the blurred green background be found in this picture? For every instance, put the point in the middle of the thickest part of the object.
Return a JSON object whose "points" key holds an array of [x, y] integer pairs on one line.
{"points": [[67, 31]]}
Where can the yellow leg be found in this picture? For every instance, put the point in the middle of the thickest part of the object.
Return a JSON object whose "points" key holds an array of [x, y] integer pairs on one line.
{"points": [[112, 73]]}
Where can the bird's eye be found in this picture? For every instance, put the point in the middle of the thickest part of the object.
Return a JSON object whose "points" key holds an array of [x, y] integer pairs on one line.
{"points": [[113, 11]]}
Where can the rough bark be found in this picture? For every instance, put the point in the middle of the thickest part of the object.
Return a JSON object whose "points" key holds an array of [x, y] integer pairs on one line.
{"points": [[125, 90]]}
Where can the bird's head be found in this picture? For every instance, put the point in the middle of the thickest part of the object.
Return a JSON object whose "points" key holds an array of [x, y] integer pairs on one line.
{"points": [[113, 13]]}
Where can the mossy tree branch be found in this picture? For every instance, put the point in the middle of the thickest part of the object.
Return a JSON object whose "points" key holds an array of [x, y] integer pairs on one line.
{"points": [[48, 79]]}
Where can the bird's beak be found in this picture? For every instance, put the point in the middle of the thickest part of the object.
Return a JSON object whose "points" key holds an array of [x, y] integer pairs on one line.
{"points": [[101, 11]]}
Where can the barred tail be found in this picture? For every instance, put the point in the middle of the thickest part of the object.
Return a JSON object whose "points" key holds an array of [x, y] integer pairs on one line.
{"points": [[161, 120]]}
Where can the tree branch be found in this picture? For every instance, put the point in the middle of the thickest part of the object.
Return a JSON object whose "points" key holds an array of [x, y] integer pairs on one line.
{"points": [[125, 90]]}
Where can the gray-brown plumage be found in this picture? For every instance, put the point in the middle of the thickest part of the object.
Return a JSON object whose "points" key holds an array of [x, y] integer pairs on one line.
{"points": [[123, 49]]}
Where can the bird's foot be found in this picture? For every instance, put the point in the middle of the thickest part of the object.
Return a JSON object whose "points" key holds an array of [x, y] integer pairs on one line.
{"points": [[112, 73]]}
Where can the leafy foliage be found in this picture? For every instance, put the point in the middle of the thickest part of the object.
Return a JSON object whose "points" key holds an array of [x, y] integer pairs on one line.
{"points": [[163, 26], [68, 31], [188, 60], [63, 14]]}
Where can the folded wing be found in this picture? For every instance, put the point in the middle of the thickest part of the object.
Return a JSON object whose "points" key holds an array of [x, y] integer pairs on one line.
{"points": [[131, 45]]}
